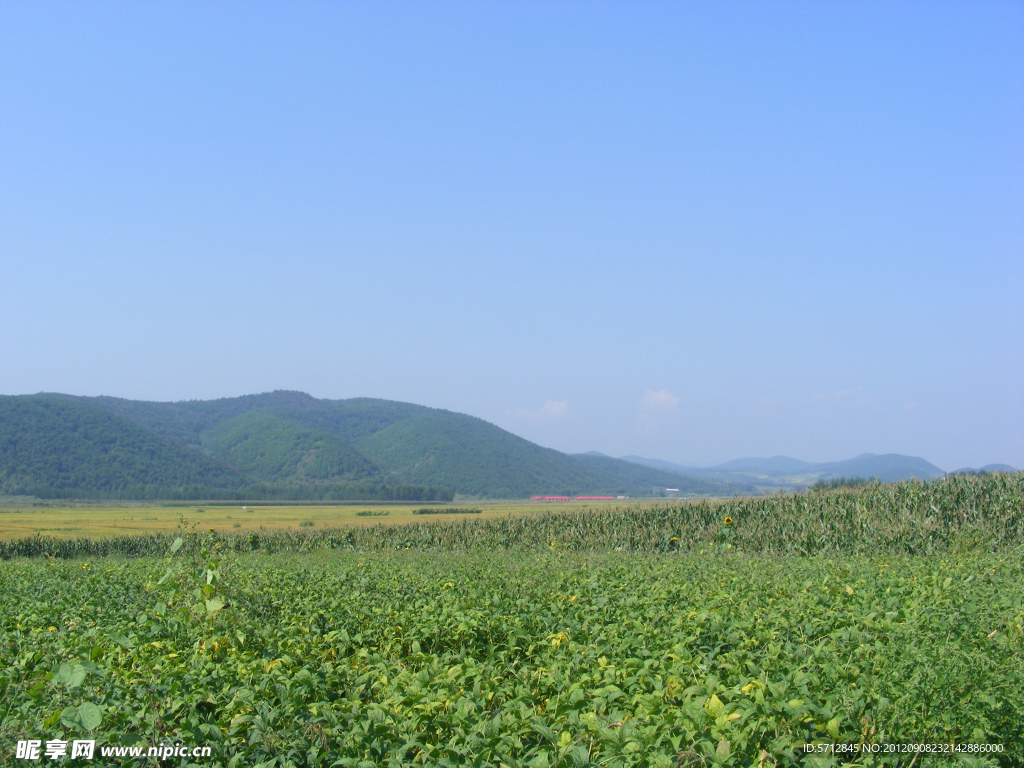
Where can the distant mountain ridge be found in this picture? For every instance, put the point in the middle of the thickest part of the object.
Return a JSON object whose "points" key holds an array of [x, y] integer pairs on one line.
{"points": [[285, 441], [787, 471], [287, 444]]}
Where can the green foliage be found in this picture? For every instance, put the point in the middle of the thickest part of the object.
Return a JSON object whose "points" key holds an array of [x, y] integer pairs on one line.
{"points": [[516, 658]]}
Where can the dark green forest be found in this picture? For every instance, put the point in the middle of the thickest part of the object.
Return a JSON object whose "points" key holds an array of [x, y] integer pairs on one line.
{"points": [[53, 442]]}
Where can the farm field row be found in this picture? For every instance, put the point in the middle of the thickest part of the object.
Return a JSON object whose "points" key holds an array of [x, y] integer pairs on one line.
{"points": [[961, 514], [103, 521], [517, 658]]}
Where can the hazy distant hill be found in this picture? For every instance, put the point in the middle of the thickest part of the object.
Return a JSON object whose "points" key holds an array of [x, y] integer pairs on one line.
{"points": [[633, 475], [785, 471], [986, 468], [271, 441], [776, 466], [668, 466], [888, 468]]}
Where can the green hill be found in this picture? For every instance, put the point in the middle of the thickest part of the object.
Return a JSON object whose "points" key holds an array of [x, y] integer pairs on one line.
{"points": [[355, 419], [405, 443], [185, 422], [50, 443], [274, 449], [293, 444], [474, 457]]}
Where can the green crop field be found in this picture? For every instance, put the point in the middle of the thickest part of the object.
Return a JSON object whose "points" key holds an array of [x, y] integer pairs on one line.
{"points": [[747, 633]]}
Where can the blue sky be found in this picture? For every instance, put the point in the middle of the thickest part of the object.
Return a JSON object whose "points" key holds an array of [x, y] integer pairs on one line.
{"points": [[687, 231]]}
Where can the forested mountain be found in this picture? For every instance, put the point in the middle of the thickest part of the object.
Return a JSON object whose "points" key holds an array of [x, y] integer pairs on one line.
{"points": [[185, 422], [275, 449], [289, 444], [50, 442], [475, 457]]}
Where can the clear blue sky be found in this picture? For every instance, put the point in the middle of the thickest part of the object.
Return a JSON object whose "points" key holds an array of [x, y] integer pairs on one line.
{"points": [[687, 231]]}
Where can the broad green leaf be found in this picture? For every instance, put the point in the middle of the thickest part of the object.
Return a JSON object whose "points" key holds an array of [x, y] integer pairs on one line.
{"points": [[213, 605], [544, 731], [713, 705], [62, 674], [70, 718], [77, 677], [121, 640], [90, 715]]}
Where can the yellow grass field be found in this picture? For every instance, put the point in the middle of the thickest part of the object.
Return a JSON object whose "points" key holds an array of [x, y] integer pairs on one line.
{"points": [[103, 520]]}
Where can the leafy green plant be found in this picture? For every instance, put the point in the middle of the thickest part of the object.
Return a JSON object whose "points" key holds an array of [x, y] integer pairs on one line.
{"points": [[193, 582]]}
